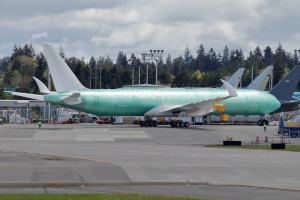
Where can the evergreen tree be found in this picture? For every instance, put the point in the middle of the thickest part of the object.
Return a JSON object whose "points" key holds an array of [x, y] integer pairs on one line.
{"points": [[178, 65], [17, 51], [182, 80], [4, 64], [40, 71], [62, 52], [201, 58], [213, 62], [295, 58], [268, 56], [92, 69], [279, 65], [122, 59], [280, 55], [169, 64], [257, 53], [226, 56], [28, 51], [188, 58]]}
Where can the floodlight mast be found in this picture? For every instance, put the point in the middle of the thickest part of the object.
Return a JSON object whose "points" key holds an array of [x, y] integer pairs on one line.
{"points": [[146, 58], [156, 55]]}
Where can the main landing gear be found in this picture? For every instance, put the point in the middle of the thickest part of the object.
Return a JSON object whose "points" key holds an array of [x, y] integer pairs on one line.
{"points": [[174, 123], [180, 124], [149, 123]]}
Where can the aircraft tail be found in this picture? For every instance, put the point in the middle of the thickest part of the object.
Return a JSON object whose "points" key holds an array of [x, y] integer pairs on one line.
{"points": [[260, 82], [284, 90], [235, 79], [62, 76]]}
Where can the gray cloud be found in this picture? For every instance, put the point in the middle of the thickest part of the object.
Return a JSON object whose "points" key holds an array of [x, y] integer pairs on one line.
{"points": [[100, 28]]}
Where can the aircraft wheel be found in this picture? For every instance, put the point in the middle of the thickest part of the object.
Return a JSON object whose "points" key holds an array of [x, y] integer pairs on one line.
{"points": [[150, 123], [181, 124], [142, 124], [146, 123], [294, 135], [172, 124], [186, 124], [177, 124], [155, 123]]}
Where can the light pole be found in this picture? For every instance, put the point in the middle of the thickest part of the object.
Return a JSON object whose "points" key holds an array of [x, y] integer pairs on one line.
{"points": [[27, 111], [146, 58], [239, 66], [100, 84], [156, 55], [299, 56], [132, 62], [21, 75], [49, 87], [90, 77], [138, 62]]}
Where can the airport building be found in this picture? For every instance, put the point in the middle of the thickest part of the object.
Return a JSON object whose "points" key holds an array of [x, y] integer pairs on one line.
{"points": [[21, 111]]}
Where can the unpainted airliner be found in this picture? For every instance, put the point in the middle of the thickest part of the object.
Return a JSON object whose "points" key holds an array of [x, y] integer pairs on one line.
{"points": [[162, 102]]}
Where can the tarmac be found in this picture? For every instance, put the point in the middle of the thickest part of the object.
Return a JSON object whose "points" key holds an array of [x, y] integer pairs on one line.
{"points": [[162, 160]]}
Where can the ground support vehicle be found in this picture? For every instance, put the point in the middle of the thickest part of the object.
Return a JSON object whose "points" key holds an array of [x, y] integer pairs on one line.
{"points": [[291, 129]]}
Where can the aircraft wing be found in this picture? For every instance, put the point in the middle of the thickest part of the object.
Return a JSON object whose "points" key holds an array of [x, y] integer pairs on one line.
{"points": [[199, 108]]}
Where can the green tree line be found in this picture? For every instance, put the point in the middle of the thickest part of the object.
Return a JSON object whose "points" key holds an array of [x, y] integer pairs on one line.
{"points": [[204, 70]]}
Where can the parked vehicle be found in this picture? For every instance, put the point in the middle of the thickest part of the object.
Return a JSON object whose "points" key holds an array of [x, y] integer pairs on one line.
{"points": [[117, 120], [102, 120], [291, 129]]}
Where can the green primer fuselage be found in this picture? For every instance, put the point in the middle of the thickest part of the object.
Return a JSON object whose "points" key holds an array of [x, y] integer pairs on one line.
{"points": [[136, 102]]}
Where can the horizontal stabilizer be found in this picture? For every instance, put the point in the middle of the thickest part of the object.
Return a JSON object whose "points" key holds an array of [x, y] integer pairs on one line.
{"points": [[30, 96], [42, 87], [72, 99]]}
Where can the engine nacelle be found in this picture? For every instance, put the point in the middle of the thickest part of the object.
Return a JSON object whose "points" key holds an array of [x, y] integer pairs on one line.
{"points": [[219, 107]]}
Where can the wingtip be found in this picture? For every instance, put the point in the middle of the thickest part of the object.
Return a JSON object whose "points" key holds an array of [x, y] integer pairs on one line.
{"points": [[231, 91]]}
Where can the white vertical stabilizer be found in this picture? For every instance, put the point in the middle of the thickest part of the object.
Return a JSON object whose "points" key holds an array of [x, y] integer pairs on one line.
{"points": [[260, 82], [235, 79], [62, 76]]}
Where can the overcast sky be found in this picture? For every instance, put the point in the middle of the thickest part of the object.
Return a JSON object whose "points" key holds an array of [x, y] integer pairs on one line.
{"points": [[86, 28]]}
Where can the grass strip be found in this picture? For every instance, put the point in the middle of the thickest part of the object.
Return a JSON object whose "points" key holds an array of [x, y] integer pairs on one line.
{"points": [[91, 197], [288, 147]]}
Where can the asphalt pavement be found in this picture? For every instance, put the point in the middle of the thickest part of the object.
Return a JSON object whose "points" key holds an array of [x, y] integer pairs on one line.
{"points": [[161, 160]]}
